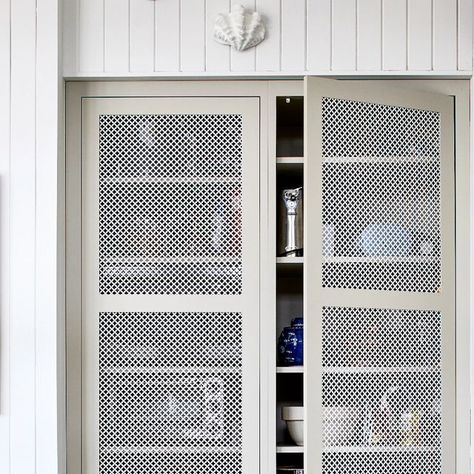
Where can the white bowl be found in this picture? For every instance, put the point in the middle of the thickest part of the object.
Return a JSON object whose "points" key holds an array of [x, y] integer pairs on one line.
{"points": [[294, 417]]}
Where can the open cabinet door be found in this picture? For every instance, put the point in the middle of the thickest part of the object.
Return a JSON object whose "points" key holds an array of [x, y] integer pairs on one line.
{"points": [[379, 280]]}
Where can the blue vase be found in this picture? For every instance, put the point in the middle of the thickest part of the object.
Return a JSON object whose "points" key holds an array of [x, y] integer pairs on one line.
{"points": [[290, 344]]}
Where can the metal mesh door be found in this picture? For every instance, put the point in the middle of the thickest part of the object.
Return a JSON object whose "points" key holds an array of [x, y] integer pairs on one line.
{"points": [[381, 197], [170, 393], [381, 391], [170, 204]]}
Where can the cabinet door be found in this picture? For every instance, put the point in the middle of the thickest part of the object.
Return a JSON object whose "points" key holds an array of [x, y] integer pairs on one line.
{"points": [[170, 285], [379, 280]]}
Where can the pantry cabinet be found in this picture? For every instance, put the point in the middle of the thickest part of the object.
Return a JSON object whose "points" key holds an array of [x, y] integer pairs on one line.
{"points": [[179, 282]]}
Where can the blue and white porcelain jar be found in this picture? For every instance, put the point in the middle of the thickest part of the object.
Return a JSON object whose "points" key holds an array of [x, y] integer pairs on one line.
{"points": [[290, 344]]}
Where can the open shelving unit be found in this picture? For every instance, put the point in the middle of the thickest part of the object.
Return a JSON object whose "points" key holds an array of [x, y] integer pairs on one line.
{"points": [[289, 162]]}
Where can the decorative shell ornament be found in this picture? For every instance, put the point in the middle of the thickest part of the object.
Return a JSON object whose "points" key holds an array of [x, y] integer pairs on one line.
{"points": [[239, 29]]}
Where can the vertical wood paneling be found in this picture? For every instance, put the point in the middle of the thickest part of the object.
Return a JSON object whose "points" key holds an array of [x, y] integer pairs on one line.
{"points": [[268, 52], [243, 61], [91, 35], [167, 35], [369, 35], [445, 31], [419, 34], [4, 234], [394, 28], [70, 22], [293, 35], [344, 35], [217, 55], [193, 35], [319, 35], [117, 35], [142, 36], [48, 339], [465, 20], [22, 242]]}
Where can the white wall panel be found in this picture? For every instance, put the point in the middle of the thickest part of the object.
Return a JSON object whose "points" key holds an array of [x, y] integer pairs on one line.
{"points": [[4, 234], [217, 55], [293, 35], [445, 33], [22, 231], [268, 52], [319, 35], [243, 61], [142, 36], [167, 35], [394, 28], [193, 35], [91, 35], [117, 35], [344, 35], [419, 35], [30, 378], [369, 35], [465, 20], [303, 37]]}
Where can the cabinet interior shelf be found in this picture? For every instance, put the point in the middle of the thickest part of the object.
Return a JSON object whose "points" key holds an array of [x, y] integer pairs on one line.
{"points": [[290, 260], [171, 370], [289, 449], [384, 259], [290, 164], [380, 159], [381, 370], [379, 449], [171, 449], [297, 369], [172, 180]]}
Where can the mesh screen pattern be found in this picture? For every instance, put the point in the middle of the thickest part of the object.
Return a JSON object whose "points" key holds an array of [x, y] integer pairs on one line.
{"points": [[381, 197], [170, 204], [170, 393], [381, 391]]}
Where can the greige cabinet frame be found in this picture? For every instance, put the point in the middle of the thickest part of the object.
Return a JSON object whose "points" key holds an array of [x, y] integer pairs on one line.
{"points": [[449, 98]]}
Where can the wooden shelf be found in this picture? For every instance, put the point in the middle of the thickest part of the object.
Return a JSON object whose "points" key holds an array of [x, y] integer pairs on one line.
{"points": [[284, 160], [379, 449], [167, 180], [379, 370], [289, 449], [290, 260], [296, 369], [384, 260], [380, 159]]}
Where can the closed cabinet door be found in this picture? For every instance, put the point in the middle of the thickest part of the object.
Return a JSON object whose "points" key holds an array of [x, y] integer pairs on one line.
{"points": [[379, 280], [170, 305]]}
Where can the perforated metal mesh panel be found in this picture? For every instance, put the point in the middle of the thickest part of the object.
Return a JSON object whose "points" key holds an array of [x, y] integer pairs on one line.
{"points": [[381, 391], [170, 393], [170, 204], [381, 197]]}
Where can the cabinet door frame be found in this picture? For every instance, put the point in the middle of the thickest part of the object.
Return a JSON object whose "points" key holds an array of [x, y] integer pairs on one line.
{"points": [[77, 94], [461, 332]]}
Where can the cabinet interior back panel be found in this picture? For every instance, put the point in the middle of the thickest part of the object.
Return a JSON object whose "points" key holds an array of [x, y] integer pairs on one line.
{"points": [[381, 197], [170, 393], [170, 204]]}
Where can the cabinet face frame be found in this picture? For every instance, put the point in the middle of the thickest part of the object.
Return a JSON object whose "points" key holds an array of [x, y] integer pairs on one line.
{"points": [[459, 453], [76, 95], [267, 92]]}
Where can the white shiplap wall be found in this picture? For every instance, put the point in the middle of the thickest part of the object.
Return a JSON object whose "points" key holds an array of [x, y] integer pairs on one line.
{"points": [[174, 37], [30, 321]]}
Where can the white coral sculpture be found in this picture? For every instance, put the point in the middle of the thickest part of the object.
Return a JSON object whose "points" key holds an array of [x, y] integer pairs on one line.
{"points": [[239, 29]]}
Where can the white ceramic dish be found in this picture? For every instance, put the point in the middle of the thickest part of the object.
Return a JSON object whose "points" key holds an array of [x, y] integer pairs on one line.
{"points": [[294, 417]]}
